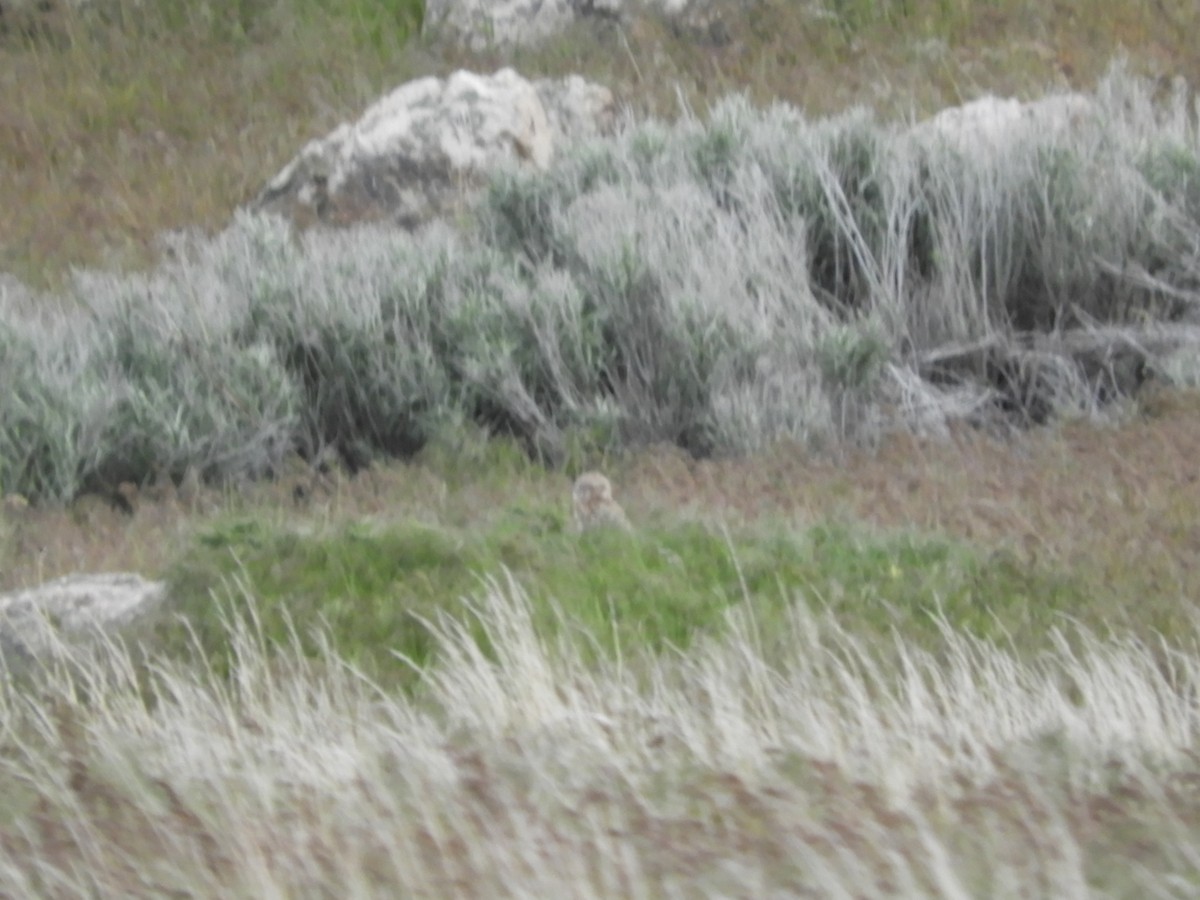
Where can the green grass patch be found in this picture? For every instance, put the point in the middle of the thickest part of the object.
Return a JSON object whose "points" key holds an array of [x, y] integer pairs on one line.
{"points": [[376, 588]]}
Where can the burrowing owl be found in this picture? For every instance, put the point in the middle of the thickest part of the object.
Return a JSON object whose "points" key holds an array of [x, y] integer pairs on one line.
{"points": [[594, 506]]}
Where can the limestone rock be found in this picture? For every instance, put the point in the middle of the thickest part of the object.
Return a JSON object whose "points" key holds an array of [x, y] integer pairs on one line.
{"points": [[484, 24], [480, 23], [416, 151], [34, 622]]}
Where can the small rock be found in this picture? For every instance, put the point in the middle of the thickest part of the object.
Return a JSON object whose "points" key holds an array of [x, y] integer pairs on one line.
{"points": [[34, 622], [482, 24]]}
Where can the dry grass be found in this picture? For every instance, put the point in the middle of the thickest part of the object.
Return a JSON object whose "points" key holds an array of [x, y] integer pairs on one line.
{"points": [[523, 772], [896, 57], [1119, 505], [112, 135]]}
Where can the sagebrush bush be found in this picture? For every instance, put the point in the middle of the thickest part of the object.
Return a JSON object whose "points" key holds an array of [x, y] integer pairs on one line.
{"points": [[718, 285], [53, 408]]}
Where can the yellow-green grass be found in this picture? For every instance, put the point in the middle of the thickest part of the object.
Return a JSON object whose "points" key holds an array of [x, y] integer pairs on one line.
{"points": [[377, 589], [122, 127], [119, 127]]}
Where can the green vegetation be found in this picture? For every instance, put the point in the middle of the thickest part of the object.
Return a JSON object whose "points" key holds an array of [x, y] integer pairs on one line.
{"points": [[375, 590]]}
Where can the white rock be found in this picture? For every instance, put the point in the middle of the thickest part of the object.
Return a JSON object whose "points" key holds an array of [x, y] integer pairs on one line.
{"points": [[34, 622], [483, 23], [414, 151], [498, 23], [480, 23]]}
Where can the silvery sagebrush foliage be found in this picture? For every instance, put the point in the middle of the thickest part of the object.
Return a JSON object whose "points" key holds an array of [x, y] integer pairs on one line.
{"points": [[718, 284]]}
